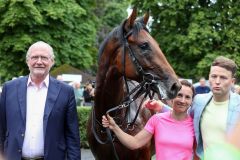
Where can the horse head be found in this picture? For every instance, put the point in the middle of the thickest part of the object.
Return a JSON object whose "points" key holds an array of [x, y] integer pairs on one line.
{"points": [[144, 58]]}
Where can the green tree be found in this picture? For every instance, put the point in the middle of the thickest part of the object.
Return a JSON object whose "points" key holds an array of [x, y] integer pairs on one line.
{"points": [[74, 28], [192, 33], [63, 24], [110, 13]]}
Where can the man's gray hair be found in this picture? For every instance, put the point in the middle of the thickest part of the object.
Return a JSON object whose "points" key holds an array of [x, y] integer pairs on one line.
{"points": [[41, 43]]}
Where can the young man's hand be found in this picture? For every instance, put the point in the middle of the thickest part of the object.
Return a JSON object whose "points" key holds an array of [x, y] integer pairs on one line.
{"points": [[155, 105]]}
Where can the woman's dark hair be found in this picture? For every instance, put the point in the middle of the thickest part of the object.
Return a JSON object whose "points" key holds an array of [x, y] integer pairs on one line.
{"points": [[188, 84]]}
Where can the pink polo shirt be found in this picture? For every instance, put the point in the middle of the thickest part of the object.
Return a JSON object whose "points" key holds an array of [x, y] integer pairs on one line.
{"points": [[173, 139]]}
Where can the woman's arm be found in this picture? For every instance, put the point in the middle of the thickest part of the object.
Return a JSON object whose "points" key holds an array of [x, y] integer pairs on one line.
{"points": [[131, 142]]}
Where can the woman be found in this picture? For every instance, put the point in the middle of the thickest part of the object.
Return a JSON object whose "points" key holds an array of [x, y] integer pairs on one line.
{"points": [[173, 130]]}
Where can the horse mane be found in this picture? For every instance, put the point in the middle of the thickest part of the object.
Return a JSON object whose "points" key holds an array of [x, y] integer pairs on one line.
{"points": [[118, 33]]}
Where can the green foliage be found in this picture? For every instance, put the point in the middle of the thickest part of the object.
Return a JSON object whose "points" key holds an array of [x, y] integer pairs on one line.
{"points": [[74, 28], [192, 33], [60, 23], [83, 114], [111, 13]]}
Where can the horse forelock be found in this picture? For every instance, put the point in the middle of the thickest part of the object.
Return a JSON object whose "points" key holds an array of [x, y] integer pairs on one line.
{"points": [[138, 26]]}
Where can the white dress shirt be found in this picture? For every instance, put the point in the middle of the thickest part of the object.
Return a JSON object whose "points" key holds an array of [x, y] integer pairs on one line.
{"points": [[33, 144]]}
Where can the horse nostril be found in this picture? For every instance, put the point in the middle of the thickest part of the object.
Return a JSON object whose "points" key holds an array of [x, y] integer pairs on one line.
{"points": [[175, 88]]}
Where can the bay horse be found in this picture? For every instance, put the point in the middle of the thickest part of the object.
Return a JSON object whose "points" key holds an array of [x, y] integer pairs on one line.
{"points": [[127, 53]]}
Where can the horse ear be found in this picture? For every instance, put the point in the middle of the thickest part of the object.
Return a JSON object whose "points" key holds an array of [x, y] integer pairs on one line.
{"points": [[146, 17], [132, 17]]}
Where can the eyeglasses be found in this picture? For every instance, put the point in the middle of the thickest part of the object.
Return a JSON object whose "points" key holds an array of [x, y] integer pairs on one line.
{"points": [[36, 58]]}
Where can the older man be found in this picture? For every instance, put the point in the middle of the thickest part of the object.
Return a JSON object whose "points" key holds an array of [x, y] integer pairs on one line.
{"points": [[38, 117]]}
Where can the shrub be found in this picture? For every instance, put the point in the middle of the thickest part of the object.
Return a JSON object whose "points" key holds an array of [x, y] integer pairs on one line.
{"points": [[83, 114]]}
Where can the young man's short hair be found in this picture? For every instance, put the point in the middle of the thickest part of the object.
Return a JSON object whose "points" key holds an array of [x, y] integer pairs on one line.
{"points": [[226, 63]]}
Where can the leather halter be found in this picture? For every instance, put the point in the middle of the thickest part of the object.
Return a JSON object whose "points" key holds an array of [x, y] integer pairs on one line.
{"points": [[146, 76]]}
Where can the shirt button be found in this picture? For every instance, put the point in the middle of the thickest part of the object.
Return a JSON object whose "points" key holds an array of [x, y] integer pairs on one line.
{"points": [[22, 135], [19, 150]]}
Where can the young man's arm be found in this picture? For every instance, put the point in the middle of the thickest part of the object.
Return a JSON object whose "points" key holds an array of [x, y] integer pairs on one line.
{"points": [[157, 106]]}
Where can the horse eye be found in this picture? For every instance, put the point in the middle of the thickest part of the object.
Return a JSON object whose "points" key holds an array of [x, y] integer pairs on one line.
{"points": [[144, 46]]}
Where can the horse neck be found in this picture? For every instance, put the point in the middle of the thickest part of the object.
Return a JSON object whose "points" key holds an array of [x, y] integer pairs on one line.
{"points": [[110, 85], [108, 95]]}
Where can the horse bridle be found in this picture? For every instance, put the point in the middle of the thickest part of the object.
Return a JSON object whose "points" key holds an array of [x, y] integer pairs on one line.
{"points": [[141, 72], [143, 87]]}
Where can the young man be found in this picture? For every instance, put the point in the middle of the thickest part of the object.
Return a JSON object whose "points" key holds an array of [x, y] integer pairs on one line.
{"points": [[217, 112], [38, 117]]}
